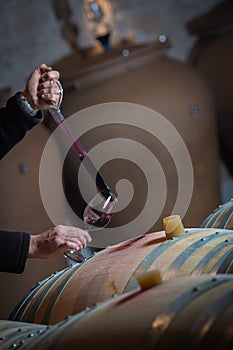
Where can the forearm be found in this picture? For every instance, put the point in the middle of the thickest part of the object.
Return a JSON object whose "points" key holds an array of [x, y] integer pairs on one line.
{"points": [[15, 122]]}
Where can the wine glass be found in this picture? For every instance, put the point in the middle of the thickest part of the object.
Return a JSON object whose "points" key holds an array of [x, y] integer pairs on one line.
{"points": [[96, 215]]}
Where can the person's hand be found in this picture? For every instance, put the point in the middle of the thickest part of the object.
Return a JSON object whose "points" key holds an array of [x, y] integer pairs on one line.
{"points": [[42, 91], [57, 239]]}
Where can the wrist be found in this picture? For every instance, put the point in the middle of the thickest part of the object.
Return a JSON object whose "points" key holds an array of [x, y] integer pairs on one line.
{"points": [[27, 107], [32, 252], [31, 247]]}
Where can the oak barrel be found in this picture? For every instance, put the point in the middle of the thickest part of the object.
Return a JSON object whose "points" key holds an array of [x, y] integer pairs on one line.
{"points": [[221, 217], [183, 313], [114, 270]]}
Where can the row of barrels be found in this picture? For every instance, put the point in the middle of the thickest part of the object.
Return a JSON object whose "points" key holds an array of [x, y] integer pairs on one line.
{"points": [[183, 313], [106, 301]]}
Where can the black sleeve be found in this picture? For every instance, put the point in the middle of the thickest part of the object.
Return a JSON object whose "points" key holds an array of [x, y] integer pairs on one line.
{"points": [[15, 123], [14, 248]]}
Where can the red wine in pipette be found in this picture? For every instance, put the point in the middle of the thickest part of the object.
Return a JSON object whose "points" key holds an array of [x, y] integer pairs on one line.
{"points": [[80, 152]]}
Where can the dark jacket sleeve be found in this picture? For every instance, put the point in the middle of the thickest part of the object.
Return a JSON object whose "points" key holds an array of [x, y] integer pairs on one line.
{"points": [[14, 248], [15, 123]]}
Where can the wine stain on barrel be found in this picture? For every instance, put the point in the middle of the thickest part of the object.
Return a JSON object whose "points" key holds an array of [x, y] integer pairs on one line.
{"points": [[126, 245]]}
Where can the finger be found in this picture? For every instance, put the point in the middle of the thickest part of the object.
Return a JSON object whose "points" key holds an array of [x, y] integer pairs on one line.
{"points": [[50, 87], [87, 236], [81, 245], [82, 241], [50, 98], [82, 233], [44, 68], [46, 84], [72, 245], [48, 90], [52, 75]]}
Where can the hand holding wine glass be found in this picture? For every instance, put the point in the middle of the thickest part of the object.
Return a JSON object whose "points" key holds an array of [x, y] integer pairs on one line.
{"points": [[96, 215]]}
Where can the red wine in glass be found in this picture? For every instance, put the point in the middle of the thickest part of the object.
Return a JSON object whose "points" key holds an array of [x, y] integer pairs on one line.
{"points": [[99, 211], [95, 218]]}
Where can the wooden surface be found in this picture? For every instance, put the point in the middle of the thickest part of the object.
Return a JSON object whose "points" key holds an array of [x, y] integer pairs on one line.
{"points": [[115, 269], [179, 313]]}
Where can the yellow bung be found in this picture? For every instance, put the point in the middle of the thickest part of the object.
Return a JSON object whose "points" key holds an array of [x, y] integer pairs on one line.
{"points": [[149, 279], [173, 226]]}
